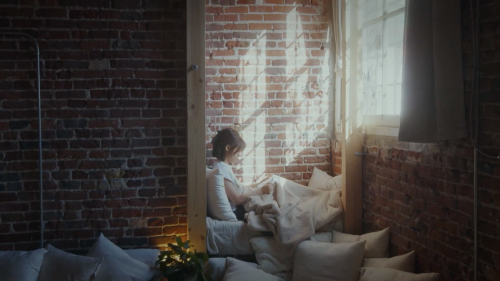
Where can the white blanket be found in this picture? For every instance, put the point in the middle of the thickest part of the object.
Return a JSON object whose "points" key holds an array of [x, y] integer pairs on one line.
{"points": [[293, 212]]}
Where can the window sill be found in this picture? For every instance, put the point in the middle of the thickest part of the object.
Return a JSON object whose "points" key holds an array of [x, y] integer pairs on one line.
{"points": [[381, 131], [381, 125]]}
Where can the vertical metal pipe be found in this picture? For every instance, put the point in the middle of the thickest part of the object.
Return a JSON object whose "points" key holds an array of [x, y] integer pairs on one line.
{"points": [[40, 168], [476, 134], [475, 214]]}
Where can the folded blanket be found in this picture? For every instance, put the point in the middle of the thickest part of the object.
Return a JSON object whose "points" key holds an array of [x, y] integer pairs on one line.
{"points": [[292, 212]]}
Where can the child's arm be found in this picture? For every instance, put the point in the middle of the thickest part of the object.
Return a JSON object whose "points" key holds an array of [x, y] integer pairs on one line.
{"points": [[239, 199]]}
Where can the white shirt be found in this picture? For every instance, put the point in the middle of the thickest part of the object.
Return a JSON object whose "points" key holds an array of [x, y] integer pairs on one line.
{"points": [[227, 172]]}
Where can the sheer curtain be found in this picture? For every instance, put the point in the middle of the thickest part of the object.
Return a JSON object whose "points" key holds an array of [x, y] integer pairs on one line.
{"points": [[432, 107]]}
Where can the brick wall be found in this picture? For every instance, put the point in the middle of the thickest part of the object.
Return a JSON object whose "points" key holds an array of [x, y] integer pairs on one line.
{"points": [[424, 193], [114, 122], [269, 76]]}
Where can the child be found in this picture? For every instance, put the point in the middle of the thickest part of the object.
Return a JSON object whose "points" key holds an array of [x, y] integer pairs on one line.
{"points": [[228, 147]]}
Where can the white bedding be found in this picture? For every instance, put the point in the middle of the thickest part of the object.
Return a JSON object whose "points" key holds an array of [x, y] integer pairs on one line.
{"points": [[229, 238], [233, 238], [293, 212]]}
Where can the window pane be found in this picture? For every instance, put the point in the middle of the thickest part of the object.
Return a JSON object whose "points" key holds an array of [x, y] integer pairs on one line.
{"points": [[393, 5], [393, 62], [372, 58], [370, 9]]}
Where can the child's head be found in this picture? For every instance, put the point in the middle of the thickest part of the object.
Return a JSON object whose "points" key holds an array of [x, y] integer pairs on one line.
{"points": [[228, 145]]}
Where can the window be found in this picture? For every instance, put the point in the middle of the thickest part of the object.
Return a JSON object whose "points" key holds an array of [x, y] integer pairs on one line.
{"points": [[380, 60]]}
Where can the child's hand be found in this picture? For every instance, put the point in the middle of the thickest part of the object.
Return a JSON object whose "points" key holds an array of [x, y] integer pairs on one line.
{"points": [[266, 177], [266, 189]]}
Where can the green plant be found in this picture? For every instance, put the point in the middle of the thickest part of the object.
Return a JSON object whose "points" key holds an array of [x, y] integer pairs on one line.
{"points": [[179, 264]]}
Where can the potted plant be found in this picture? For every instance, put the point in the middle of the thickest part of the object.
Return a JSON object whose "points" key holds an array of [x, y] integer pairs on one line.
{"points": [[180, 264]]}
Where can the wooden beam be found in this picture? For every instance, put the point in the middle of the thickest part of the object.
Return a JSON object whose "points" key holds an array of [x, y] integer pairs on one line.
{"points": [[352, 138], [196, 196]]}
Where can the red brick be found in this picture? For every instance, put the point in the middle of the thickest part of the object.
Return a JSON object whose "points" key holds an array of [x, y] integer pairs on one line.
{"points": [[171, 230], [236, 10], [157, 212], [164, 240], [296, 169], [236, 26], [162, 202], [127, 213], [250, 17], [137, 202]]}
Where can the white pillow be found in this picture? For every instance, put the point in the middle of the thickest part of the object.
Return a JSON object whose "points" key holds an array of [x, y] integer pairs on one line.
{"points": [[404, 262], [325, 237], [270, 256], [21, 265], [323, 181], [117, 265], [328, 261], [377, 243], [59, 265], [147, 256], [217, 202], [240, 271], [387, 274], [216, 267]]}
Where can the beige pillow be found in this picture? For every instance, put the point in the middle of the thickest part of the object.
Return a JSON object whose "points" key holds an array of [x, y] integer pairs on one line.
{"points": [[216, 267], [323, 181], [237, 270], [387, 274], [377, 243], [325, 237], [117, 264], [320, 261], [21, 265], [59, 265], [270, 256], [404, 262]]}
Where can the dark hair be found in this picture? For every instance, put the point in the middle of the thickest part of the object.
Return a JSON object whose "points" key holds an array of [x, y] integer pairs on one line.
{"points": [[227, 137]]}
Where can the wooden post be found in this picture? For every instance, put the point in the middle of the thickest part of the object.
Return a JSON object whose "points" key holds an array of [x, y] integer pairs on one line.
{"points": [[352, 138], [196, 193]]}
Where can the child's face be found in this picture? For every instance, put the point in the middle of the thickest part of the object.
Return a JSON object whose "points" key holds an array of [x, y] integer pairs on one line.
{"points": [[234, 158]]}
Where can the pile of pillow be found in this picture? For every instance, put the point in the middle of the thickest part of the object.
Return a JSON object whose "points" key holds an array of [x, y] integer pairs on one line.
{"points": [[104, 262], [338, 256], [328, 255]]}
